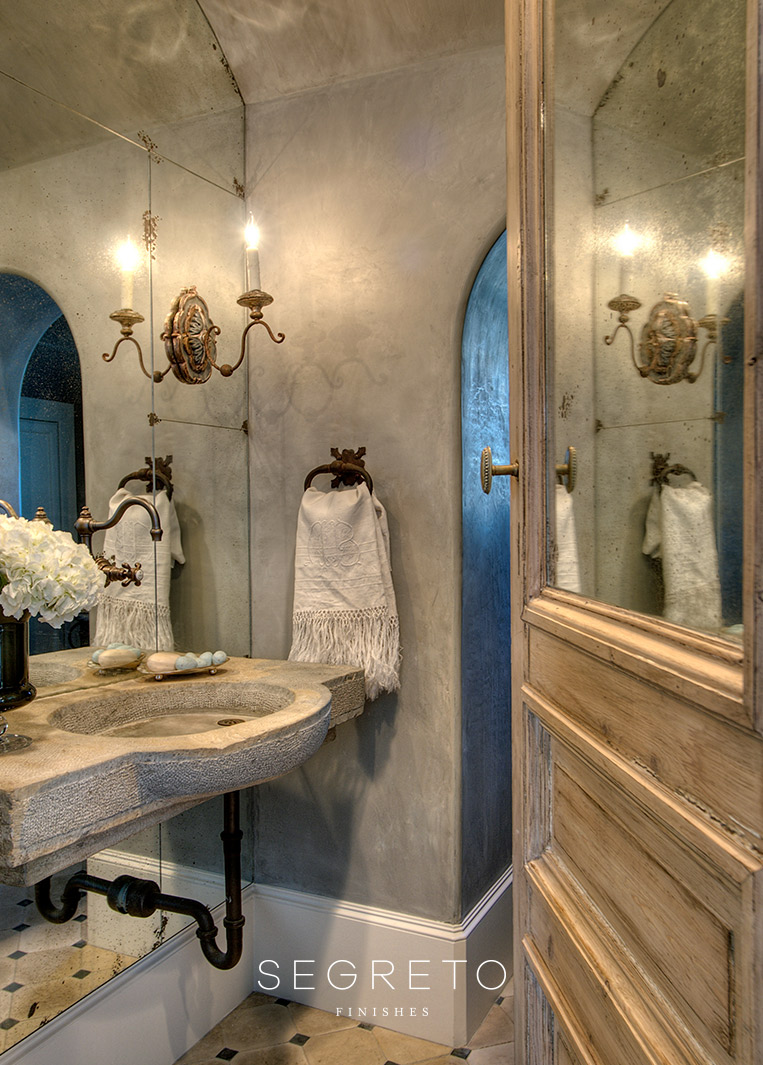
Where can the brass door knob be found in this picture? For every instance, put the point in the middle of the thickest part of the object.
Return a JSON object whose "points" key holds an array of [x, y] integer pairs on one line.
{"points": [[567, 472], [488, 471]]}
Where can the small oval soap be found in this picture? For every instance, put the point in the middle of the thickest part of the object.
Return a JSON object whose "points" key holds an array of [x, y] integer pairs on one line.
{"points": [[205, 659], [117, 657], [161, 661], [186, 661], [219, 657]]}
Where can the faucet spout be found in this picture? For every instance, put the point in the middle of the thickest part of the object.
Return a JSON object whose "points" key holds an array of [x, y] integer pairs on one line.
{"points": [[86, 524]]}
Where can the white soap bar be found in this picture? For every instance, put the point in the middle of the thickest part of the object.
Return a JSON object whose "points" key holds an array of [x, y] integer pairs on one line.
{"points": [[161, 661], [116, 657]]}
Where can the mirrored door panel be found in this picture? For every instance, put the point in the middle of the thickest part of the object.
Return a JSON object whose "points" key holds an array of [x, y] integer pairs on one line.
{"points": [[645, 141]]}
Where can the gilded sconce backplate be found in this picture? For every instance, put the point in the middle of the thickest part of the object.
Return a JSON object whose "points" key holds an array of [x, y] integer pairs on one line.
{"points": [[669, 342], [190, 338]]}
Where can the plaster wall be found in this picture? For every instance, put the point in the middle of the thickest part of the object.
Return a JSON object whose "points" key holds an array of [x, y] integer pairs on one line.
{"points": [[377, 200]]}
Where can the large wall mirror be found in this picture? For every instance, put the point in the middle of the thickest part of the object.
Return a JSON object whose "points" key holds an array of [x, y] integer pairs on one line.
{"points": [[646, 268], [152, 152]]}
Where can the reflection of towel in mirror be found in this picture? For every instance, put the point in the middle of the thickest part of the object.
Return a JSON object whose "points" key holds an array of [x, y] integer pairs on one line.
{"points": [[567, 563], [679, 530], [344, 602], [131, 615]]}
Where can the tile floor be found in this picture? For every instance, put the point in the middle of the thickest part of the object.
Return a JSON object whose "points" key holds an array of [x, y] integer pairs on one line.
{"points": [[270, 1031], [44, 967]]}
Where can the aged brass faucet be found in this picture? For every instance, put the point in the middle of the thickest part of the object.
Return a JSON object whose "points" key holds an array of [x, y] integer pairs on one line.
{"points": [[86, 526]]}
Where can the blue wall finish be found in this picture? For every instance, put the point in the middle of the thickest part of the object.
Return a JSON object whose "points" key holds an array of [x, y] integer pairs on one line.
{"points": [[485, 630]]}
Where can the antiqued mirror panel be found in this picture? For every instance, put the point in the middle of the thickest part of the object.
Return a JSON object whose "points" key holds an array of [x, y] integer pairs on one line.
{"points": [[109, 134], [645, 157]]}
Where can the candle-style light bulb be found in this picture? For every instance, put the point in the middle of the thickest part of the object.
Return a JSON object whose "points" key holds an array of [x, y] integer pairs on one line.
{"points": [[714, 266], [252, 239], [625, 244], [128, 260]]}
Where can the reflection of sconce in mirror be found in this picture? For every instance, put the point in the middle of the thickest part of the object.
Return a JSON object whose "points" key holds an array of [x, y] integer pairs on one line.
{"points": [[626, 244], [669, 338]]}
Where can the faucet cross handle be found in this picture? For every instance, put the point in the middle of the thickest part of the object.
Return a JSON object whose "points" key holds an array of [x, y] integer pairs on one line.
{"points": [[124, 573]]}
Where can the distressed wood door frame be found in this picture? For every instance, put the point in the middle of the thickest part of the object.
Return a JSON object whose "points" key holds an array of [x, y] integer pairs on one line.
{"points": [[641, 939]]}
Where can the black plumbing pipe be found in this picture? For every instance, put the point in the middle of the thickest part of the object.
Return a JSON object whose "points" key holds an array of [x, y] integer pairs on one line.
{"points": [[141, 898], [74, 889]]}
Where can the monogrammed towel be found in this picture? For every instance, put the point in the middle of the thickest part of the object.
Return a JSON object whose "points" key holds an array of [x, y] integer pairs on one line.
{"points": [[344, 601], [140, 615]]}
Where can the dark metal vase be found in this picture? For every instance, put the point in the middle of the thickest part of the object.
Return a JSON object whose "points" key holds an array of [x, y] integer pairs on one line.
{"points": [[15, 686]]}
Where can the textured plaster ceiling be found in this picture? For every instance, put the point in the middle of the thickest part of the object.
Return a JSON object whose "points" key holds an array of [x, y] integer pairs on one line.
{"points": [[127, 64], [138, 64], [280, 47], [594, 38]]}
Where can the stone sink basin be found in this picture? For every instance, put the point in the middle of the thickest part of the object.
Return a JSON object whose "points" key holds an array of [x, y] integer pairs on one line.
{"points": [[175, 709], [107, 760]]}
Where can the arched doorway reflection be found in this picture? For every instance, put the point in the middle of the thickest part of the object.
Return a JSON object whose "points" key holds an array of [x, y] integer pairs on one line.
{"points": [[41, 424]]}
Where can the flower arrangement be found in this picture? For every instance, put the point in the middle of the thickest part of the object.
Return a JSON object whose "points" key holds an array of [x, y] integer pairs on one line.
{"points": [[43, 571]]}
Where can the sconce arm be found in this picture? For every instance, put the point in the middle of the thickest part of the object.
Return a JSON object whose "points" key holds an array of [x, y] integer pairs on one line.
{"points": [[277, 339]]}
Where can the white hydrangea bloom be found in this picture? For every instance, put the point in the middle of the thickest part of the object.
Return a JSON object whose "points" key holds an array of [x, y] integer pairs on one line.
{"points": [[44, 571]]}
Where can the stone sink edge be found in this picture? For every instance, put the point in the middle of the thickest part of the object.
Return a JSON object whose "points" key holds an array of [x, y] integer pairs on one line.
{"points": [[70, 795]]}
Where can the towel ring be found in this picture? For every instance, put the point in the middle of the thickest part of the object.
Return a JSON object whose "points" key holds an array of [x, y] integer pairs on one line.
{"points": [[344, 473], [348, 469], [661, 470], [152, 473]]}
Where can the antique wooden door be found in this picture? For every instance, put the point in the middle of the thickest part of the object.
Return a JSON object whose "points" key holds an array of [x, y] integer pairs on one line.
{"points": [[638, 757]]}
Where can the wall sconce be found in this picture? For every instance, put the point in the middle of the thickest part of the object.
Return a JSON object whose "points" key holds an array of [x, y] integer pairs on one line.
{"points": [[189, 333]]}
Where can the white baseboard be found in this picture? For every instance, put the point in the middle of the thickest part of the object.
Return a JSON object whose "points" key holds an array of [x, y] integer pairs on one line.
{"points": [[162, 1005], [151, 1013], [304, 943]]}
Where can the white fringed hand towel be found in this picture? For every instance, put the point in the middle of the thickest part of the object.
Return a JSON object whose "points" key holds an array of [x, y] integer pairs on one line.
{"points": [[679, 530], [130, 615], [344, 601]]}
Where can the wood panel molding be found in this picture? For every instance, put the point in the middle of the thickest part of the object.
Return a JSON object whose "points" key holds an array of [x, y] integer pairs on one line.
{"points": [[701, 668], [597, 983]]}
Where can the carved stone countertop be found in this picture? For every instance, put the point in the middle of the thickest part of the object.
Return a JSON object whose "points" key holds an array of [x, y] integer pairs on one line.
{"points": [[91, 778]]}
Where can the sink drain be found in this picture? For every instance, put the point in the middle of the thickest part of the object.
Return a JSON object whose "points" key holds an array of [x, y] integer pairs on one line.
{"points": [[231, 721]]}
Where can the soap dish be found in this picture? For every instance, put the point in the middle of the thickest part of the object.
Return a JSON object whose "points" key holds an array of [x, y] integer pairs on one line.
{"points": [[122, 667], [177, 672]]}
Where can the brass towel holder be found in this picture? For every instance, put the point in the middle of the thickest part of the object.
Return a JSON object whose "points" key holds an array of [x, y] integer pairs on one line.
{"points": [[348, 469]]}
